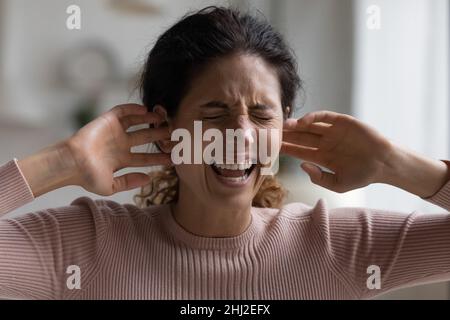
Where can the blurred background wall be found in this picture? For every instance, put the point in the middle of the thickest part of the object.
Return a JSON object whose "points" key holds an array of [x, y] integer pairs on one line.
{"points": [[394, 78]]}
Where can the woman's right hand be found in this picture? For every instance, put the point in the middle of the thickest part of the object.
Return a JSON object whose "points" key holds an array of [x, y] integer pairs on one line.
{"points": [[102, 147]]}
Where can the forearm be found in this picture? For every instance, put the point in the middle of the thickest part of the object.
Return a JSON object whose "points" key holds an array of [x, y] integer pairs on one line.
{"points": [[413, 172], [49, 169]]}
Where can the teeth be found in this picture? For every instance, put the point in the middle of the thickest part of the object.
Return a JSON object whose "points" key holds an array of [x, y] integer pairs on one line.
{"points": [[236, 179], [234, 166]]}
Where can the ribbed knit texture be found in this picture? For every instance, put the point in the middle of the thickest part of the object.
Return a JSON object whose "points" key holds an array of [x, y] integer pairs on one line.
{"points": [[298, 252]]}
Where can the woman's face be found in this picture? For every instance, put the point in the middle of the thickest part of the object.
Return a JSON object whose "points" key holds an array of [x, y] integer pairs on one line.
{"points": [[240, 91]]}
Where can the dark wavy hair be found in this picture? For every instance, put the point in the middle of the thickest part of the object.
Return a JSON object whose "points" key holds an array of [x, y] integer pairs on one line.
{"points": [[188, 47]]}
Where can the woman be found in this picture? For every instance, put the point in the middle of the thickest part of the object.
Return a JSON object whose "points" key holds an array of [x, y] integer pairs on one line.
{"points": [[206, 237]]}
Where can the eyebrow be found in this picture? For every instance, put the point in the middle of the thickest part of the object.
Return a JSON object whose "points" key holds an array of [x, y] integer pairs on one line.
{"points": [[215, 104], [260, 106], [222, 105]]}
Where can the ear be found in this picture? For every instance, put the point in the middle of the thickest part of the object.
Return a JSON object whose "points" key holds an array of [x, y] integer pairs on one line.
{"points": [[287, 111], [163, 145]]}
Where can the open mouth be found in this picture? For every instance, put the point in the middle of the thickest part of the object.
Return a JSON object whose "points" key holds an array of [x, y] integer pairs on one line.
{"points": [[234, 172]]}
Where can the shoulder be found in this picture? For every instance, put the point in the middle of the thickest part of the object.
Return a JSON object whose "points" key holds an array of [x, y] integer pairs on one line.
{"points": [[110, 210], [83, 213], [321, 216], [295, 212], [302, 211]]}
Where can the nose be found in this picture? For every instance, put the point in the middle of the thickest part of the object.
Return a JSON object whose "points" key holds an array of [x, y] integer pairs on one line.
{"points": [[240, 144]]}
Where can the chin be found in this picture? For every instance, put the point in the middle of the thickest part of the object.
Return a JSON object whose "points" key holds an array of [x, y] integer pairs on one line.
{"points": [[236, 201]]}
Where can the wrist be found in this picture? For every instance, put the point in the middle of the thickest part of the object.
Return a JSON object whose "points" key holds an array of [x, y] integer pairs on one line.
{"points": [[49, 169], [413, 172]]}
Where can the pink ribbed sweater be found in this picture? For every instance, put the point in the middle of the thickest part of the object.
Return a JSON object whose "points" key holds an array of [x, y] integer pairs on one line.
{"points": [[298, 252]]}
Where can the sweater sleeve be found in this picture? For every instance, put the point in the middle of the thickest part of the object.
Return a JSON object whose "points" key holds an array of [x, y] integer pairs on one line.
{"points": [[380, 250], [14, 189], [37, 248]]}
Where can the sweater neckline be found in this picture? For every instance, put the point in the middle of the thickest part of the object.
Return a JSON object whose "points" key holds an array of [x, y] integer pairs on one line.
{"points": [[214, 243]]}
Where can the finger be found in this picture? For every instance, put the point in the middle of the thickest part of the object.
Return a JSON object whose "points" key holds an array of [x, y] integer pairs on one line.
{"points": [[147, 159], [316, 128], [319, 128], [290, 124], [129, 181], [320, 177], [143, 136], [302, 138], [325, 116], [149, 117], [124, 110], [300, 152]]}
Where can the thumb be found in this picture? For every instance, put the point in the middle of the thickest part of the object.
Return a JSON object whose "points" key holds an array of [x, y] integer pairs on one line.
{"points": [[130, 181], [313, 171], [320, 177]]}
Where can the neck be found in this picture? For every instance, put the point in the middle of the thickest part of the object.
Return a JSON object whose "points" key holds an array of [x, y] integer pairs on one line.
{"points": [[209, 220]]}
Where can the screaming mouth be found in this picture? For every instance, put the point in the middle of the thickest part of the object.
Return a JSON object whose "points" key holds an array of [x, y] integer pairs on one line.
{"points": [[236, 172]]}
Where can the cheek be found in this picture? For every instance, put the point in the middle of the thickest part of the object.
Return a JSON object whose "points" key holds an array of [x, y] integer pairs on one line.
{"points": [[272, 143], [189, 172], [279, 136], [193, 177]]}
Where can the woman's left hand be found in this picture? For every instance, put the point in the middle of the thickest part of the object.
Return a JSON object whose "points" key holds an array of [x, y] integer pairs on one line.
{"points": [[355, 152]]}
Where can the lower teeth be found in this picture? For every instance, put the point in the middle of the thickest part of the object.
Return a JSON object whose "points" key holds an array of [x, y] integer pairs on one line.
{"points": [[236, 179]]}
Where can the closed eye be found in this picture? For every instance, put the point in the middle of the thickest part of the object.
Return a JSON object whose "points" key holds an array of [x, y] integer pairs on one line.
{"points": [[262, 117], [213, 117]]}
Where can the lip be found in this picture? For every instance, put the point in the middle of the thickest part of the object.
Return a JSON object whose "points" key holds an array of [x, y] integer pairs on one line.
{"points": [[233, 184]]}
